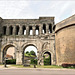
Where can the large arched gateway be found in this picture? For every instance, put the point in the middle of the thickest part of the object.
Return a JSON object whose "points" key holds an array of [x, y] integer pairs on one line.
{"points": [[25, 46], [8, 50], [20, 33]]}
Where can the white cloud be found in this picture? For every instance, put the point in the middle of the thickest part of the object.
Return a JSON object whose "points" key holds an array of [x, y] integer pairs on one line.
{"points": [[34, 9], [10, 9], [22, 9], [73, 11]]}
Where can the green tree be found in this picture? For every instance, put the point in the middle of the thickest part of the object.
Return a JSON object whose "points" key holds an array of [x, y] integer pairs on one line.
{"points": [[27, 52], [47, 61], [32, 53]]}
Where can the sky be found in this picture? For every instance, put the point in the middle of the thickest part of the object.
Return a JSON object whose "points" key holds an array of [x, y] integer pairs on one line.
{"points": [[33, 9], [31, 48]]}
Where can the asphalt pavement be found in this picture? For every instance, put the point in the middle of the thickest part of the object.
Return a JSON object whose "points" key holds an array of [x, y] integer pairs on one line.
{"points": [[36, 71]]}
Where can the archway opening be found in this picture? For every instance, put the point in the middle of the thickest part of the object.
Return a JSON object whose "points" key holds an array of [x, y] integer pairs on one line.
{"points": [[10, 30], [44, 28], [47, 58], [30, 30], [50, 28], [17, 30], [9, 53], [30, 54], [4, 30], [24, 30], [37, 30]]}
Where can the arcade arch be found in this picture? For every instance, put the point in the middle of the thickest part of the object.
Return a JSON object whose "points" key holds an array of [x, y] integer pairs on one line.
{"points": [[8, 51], [47, 58], [4, 30], [29, 47], [10, 30]]}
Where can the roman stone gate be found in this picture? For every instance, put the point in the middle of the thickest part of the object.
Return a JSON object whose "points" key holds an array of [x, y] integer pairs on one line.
{"points": [[20, 33]]}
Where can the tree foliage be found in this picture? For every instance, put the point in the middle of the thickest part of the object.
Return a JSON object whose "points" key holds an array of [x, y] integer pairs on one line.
{"points": [[32, 53], [47, 61], [27, 52]]}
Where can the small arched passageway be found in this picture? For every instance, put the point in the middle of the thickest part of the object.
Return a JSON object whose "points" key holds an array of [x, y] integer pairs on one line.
{"points": [[30, 30], [44, 28], [10, 30], [23, 30], [37, 30], [29, 52], [50, 28], [47, 58], [4, 30], [17, 30], [9, 52]]}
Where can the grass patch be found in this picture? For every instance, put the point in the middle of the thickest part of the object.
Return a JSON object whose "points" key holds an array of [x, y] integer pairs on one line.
{"points": [[32, 66], [50, 66], [1, 64], [21, 66]]}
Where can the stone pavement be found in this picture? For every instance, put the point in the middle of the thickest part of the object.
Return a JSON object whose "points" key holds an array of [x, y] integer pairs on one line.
{"points": [[37, 71]]}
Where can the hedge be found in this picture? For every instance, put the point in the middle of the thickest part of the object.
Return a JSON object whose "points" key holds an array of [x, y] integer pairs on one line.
{"points": [[33, 61], [47, 61], [12, 61]]}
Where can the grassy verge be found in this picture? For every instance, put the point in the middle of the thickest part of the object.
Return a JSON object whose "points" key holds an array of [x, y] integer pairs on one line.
{"points": [[50, 66], [32, 66], [1, 64]]}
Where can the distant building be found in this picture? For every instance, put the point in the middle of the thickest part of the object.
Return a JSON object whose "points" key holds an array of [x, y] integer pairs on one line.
{"points": [[9, 56]]}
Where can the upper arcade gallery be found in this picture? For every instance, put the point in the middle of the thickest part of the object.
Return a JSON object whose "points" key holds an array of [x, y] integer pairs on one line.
{"points": [[43, 25]]}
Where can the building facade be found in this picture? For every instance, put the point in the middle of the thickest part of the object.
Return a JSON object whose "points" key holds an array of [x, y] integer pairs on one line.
{"points": [[57, 40], [17, 33]]}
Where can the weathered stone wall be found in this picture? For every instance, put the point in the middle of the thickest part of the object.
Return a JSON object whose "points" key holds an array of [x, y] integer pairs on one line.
{"points": [[65, 45], [65, 41], [11, 37]]}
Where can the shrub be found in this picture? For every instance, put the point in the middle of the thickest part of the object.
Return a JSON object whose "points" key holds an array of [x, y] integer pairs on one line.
{"points": [[12, 61], [33, 61], [65, 65], [47, 61]]}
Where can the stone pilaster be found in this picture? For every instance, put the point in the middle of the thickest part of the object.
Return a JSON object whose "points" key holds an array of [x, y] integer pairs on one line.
{"points": [[40, 30], [47, 29], [21, 30], [34, 31], [7, 30], [0, 57], [42, 61], [27, 30], [18, 57], [14, 30], [52, 27]]}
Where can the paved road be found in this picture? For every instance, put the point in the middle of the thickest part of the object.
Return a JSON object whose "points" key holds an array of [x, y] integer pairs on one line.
{"points": [[37, 72]]}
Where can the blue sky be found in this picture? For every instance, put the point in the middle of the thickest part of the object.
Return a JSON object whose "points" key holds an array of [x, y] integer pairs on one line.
{"points": [[26, 9]]}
